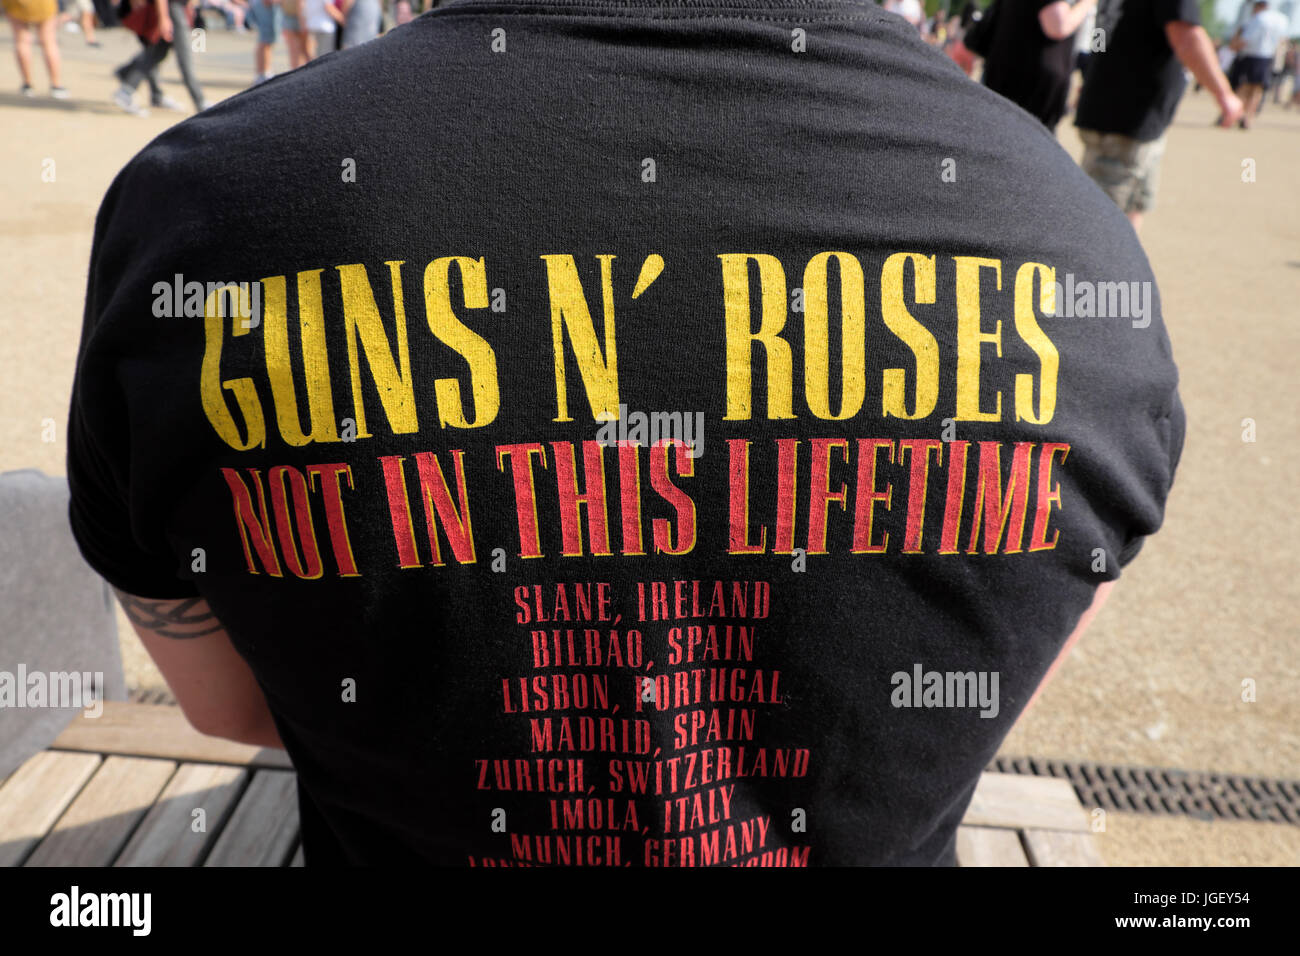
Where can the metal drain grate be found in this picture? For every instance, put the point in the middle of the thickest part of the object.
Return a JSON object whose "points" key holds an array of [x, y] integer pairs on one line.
{"points": [[1161, 790], [150, 696]]}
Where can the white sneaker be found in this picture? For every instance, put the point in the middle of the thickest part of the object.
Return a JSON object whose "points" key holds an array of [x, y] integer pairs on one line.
{"points": [[59, 92], [165, 102], [124, 100]]}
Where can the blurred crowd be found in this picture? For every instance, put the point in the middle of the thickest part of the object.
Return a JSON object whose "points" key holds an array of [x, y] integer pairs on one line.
{"points": [[309, 28], [1024, 49]]}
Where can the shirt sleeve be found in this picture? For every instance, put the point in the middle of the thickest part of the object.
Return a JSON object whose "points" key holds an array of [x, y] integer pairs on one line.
{"points": [[1181, 11], [115, 538], [1171, 430]]}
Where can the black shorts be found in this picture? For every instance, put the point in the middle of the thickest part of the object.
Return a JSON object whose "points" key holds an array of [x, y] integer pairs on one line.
{"points": [[1256, 70]]}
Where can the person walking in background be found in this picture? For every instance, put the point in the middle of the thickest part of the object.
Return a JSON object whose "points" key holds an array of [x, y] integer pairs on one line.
{"points": [[267, 17], [935, 30], [42, 18], [319, 27], [1031, 54], [296, 37], [1130, 94], [158, 99], [335, 10], [909, 10], [1083, 38], [156, 23], [83, 20], [1227, 56], [1286, 72], [233, 12], [1256, 44], [1280, 70], [361, 21], [308, 30], [1293, 70], [955, 46]]}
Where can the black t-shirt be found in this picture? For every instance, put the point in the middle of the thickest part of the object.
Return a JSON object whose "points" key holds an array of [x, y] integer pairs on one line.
{"points": [[1133, 87], [1027, 66], [494, 625]]}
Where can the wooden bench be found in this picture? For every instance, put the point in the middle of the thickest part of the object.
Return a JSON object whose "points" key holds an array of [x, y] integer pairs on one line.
{"points": [[138, 786], [1017, 820]]}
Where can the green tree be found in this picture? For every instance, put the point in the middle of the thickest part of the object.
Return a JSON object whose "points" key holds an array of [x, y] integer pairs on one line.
{"points": [[1210, 20]]}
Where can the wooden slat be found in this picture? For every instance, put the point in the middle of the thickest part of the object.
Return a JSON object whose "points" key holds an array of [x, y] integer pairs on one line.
{"points": [[157, 730], [1016, 802], [1058, 848], [167, 836], [989, 846], [264, 825], [35, 795], [95, 827]]}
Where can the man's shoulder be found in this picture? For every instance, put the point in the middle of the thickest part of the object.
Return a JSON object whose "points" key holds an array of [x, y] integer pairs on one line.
{"points": [[411, 106], [277, 128]]}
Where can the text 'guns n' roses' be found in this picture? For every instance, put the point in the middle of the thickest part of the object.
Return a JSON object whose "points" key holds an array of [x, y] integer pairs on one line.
{"points": [[750, 283]]}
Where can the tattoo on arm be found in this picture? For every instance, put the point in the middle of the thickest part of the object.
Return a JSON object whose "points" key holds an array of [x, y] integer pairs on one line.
{"points": [[183, 618]]}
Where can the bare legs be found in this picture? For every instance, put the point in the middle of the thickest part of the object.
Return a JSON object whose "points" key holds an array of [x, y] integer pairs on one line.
{"points": [[262, 59], [1251, 94], [23, 49], [49, 39], [296, 41], [47, 36]]}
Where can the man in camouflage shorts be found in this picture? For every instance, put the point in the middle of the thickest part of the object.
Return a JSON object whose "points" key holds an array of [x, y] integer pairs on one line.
{"points": [[1148, 44], [1126, 169]]}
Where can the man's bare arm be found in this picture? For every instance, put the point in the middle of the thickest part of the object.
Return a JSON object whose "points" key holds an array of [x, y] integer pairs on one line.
{"points": [[1098, 599], [1060, 20], [212, 683], [1192, 46]]}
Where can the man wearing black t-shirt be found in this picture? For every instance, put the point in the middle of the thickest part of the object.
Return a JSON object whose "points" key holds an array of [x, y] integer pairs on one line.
{"points": [[667, 434], [1131, 90], [1031, 55]]}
